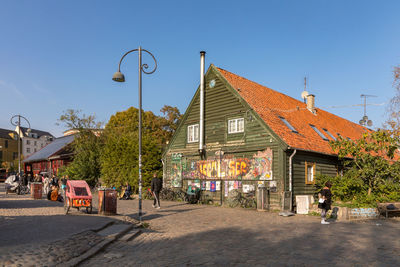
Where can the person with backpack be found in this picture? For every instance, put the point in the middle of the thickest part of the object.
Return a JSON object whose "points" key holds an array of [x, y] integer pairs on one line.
{"points": [[156, 186], [325, 201]]}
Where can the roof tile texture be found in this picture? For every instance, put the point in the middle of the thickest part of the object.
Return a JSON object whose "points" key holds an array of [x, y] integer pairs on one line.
{"points": [[270, 105]]}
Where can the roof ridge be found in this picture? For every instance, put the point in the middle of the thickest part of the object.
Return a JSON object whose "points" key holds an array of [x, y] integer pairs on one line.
{"points": [[275, 91]]}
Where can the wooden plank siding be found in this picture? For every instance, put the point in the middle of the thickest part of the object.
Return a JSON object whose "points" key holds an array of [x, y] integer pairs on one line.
{"points": [[222, 104], [324, 165]]}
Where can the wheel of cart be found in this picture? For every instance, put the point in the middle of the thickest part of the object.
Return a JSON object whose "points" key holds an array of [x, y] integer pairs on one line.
{"points": [[78, 195]]}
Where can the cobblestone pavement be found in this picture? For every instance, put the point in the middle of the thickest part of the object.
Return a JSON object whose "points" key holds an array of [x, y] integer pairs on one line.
{"points": [[36, 232], [182, 235]]}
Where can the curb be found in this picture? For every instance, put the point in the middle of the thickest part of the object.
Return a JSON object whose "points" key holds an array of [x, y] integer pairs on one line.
{"points": [[94, 250]]}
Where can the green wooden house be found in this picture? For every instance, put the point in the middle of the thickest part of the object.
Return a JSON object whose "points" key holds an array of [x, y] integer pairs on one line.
{"points": [[246, 134]]}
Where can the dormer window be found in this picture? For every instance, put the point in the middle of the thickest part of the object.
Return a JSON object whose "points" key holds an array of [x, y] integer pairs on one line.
{"points": [[331, 135], [319, 132], [236, 126], [288, 125]]}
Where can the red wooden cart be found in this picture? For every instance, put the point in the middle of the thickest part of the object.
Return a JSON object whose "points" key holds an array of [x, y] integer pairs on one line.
{"points": [[77, 195]]}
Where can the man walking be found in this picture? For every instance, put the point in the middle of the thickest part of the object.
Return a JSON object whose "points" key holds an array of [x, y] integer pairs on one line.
{"points": [[156, 186]]}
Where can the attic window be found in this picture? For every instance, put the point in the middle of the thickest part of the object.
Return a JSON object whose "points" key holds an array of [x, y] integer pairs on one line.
{"points": [[331, 135], [319, 132], [288, 124]]}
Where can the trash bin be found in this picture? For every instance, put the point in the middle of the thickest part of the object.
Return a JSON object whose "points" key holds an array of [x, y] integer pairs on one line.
{"points": [[36, 190], [262, 198], [107, 201]]}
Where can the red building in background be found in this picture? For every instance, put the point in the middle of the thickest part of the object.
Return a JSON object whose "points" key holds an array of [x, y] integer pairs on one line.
{"points": [[51, 157]]}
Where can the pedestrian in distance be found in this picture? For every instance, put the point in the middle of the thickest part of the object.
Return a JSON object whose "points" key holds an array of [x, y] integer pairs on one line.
{"points": [[325, 201], [156, 186]]}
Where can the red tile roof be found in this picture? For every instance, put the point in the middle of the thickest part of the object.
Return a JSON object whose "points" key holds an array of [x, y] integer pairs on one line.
{"points": [[270, 104]]}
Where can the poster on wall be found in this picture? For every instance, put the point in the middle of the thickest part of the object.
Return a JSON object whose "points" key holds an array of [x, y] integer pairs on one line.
{"points": [[196, 183], [208, 185], [226, 189], [203, 185], [176, 173], [218, 185], [247, 188], [213, 186], [231, 185]]}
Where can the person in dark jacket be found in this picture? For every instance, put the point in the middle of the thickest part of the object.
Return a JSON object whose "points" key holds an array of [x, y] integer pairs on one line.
{"points": [[128, 192], [156, 186], [325, 201]]}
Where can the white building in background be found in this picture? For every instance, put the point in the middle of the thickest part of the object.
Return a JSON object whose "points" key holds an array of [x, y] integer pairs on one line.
{"points": [[33, 140]]}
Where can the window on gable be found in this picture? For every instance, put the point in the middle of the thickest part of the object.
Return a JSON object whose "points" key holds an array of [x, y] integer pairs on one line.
{"points": [[310, 172], [319, 132], [329, 133], [6, 143], [236, 126], [193, 133], [288, 124]]}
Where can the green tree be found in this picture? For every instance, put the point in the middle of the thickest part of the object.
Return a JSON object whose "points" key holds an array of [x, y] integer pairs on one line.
{"points": [[119, 159], [371, 165], [86, 147]]}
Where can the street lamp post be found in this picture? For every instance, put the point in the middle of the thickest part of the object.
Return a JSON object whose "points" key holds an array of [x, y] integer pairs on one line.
{"points": [[18, 123], [119, 77]]}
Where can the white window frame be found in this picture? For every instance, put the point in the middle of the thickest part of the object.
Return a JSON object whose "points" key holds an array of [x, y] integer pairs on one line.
{"points": [[192, 134], [236, 126]]}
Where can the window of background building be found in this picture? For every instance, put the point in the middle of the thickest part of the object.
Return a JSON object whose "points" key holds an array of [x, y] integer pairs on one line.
{"points": [[28, 150], [28, 142], [35, 143], [6, 144], [236, 126]]}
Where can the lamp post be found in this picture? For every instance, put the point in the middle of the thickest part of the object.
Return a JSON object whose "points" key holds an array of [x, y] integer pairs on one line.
{"points": [[119, 77], [16, 122]]}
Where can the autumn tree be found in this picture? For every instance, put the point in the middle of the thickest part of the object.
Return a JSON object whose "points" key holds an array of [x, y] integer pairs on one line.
{"points": [[393, 121]]}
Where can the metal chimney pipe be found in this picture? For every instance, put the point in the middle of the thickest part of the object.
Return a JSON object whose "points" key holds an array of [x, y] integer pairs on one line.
{"points": [[201, 125]]}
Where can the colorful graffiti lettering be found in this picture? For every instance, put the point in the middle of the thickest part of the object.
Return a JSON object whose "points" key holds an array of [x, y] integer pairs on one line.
{"points": [[258, 167]]}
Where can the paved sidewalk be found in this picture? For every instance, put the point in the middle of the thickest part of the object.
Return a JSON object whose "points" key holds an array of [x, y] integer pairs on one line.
{"points": [[37, 233], [183, 235]]}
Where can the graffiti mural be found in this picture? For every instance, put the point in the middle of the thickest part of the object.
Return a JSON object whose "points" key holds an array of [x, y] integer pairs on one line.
{"points": [[261, 167], [258, 167], [176, 173]]}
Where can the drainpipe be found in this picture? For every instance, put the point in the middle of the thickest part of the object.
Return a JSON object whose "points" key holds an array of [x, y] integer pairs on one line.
{"points": [[201, 124], [291, 179]]}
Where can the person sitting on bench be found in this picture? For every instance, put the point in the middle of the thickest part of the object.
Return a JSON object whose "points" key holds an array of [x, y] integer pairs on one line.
{"points": [[128, 191]]}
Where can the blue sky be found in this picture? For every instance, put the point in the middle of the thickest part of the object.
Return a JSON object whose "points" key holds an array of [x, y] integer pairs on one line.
{"points": [[57, 55]]}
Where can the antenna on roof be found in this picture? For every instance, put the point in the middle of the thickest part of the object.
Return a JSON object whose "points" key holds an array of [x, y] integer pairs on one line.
{"points": [[364, 121], [304, 94]]}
